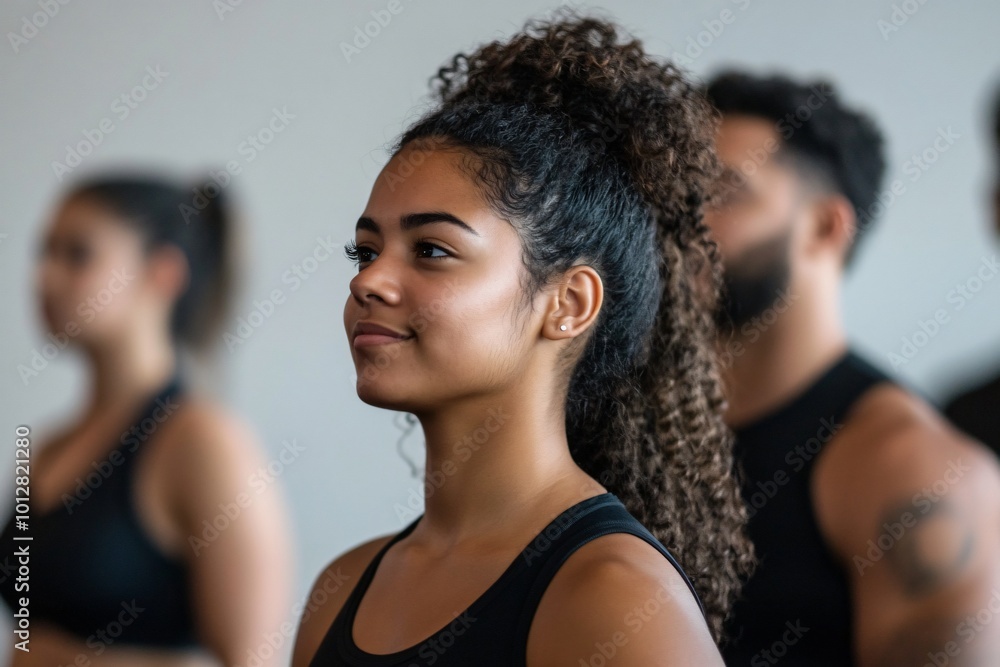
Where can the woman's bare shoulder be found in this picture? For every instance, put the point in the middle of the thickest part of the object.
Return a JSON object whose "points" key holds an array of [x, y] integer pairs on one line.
{"points": [[618, 594]]}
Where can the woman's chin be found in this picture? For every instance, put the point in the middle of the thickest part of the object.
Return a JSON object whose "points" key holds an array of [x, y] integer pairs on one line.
{"points": [[380, 394]]}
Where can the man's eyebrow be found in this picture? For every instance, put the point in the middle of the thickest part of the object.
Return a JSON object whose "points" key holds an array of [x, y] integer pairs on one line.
{"points": [[413, 220]]}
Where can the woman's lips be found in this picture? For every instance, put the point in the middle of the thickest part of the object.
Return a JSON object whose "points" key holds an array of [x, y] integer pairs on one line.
{"points": [[370, 340]]}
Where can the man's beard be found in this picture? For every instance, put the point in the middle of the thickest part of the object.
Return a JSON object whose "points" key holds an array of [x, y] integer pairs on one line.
{"points": [[752, 282]]}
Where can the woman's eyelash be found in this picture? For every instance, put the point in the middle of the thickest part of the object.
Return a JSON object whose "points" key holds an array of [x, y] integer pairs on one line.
{"points": [[353, 251]]}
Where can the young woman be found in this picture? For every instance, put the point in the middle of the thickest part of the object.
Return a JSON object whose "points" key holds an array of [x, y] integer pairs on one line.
{"points": [[532, 287], [136, 555]]}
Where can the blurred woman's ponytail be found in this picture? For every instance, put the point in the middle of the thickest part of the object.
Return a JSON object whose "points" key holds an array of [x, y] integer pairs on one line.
{"points": [[201, 310]]}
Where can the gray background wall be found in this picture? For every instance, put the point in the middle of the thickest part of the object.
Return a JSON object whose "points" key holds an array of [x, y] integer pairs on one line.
{"points": [[293, 378]]}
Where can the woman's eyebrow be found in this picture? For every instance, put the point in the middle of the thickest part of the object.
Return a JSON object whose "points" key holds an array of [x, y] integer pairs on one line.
{"points": [[413, 220]]}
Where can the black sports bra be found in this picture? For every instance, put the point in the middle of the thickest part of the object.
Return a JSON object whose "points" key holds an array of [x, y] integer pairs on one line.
{"points": [[92, 568], [493, 630]]}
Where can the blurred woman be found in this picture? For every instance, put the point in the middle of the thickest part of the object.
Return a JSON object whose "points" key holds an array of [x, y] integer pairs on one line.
{"points": [[530, 287], [150, 546]]}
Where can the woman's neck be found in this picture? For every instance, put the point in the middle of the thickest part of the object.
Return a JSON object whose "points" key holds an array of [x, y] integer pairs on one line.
{"points": [[129, 370], [490, 463]]}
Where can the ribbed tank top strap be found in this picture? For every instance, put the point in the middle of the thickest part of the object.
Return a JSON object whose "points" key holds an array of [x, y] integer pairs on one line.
{"points": [[847, 380], [158, 410], [833, 392], [349, 610], [153, 414], [610, 516]]}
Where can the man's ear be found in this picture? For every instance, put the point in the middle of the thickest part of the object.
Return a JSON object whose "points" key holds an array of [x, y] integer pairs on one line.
{"points": [[167, 270], [836, 224]]}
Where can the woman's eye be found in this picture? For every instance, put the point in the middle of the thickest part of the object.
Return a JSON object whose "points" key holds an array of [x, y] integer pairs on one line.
{"points": [[78, 254], [356, 253], [423, 247], [423, 250]]}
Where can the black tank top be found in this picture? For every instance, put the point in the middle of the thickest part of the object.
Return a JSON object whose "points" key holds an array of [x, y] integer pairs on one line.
{"points": [[93, 570], [797, 605], [493, 630]]}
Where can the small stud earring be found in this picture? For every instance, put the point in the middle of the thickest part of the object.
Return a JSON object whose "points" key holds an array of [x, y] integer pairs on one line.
{"points": [[563, 327]]}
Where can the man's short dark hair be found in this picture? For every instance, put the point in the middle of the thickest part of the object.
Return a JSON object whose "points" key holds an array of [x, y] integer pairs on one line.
{"points": [[841, 146]]}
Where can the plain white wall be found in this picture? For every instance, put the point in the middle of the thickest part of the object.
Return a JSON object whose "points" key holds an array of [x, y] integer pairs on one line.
{"points": [[293, 378]]}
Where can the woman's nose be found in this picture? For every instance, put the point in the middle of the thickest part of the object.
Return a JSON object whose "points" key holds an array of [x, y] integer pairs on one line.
{"points": [[381, 280]]}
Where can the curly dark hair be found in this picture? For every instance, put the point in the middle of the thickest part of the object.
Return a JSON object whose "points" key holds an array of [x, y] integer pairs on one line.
{"points": [[596, 152], [834, 144]]}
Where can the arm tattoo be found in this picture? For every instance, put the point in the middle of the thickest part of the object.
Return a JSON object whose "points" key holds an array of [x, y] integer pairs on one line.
{"points": [[911, 556]]}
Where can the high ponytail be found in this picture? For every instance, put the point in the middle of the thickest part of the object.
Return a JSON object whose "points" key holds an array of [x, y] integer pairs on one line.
{"points": [[200, 312], [595, 151], [195, 218]]}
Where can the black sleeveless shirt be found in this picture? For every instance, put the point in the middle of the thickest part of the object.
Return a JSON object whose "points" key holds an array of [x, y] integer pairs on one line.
{"points": [[493, 630], [93, 570], [797, 605]]}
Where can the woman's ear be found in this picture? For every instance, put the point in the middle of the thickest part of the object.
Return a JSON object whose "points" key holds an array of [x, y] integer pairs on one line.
{"points": [[576, 302], [167, 271]]}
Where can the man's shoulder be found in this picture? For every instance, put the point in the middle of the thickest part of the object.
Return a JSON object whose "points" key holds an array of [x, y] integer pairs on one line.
{"points": [[889, 428], [976, 401], [894, 447]]}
